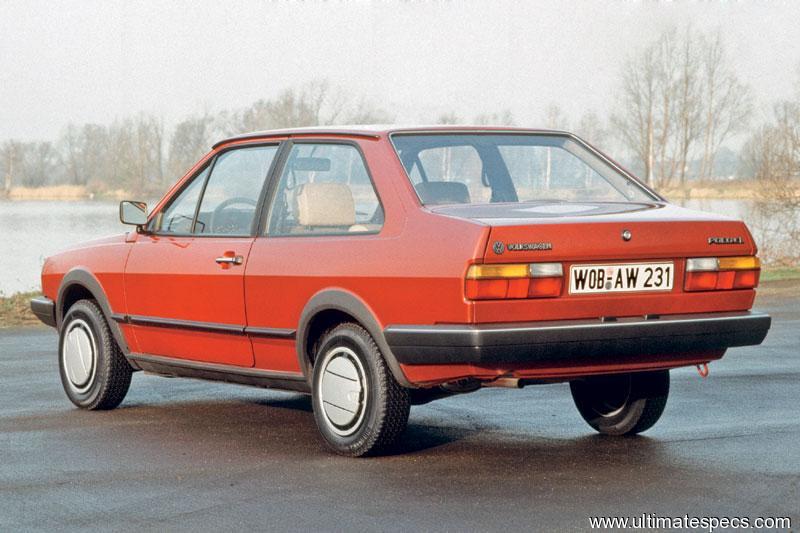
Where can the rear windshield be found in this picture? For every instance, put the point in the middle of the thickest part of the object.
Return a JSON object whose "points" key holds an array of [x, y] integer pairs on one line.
{"points": [[488, 168]]}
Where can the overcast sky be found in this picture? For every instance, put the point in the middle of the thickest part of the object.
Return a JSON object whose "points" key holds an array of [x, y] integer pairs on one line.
{"points": [[93, 61]]}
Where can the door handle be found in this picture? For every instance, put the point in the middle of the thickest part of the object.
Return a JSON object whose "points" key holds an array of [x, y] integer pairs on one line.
{"points": [[230, 260]]}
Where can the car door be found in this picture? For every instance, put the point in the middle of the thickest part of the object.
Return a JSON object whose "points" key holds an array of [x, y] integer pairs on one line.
{"points": [[184, 279], [324, 209]]}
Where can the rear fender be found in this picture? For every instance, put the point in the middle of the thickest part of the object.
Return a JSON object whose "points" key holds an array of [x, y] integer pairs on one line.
{"points": [[345, 302]]}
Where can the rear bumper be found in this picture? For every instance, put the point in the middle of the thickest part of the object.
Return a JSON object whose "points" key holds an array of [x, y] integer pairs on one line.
{"points": [[45, 310], [558, 342]]}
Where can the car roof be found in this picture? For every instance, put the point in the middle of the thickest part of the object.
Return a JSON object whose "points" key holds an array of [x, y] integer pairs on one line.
{"points": [[377, 131]]}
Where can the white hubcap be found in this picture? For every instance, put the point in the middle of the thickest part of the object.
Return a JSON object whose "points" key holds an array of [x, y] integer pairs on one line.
{"points": [[342, 390], [79, 355]]}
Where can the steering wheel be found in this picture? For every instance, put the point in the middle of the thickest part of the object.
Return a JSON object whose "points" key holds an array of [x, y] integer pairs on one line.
{"points": [[225, 204]]}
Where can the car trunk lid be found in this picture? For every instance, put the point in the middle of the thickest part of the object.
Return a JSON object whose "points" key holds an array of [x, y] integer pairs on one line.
{"points": [[585, 232]]}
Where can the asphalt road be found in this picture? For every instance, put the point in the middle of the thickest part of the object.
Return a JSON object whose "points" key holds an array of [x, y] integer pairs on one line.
{"points": [[193, 455]]}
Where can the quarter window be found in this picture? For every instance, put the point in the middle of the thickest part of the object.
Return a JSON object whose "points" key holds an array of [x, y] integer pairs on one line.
{"points": [[325, 189]]}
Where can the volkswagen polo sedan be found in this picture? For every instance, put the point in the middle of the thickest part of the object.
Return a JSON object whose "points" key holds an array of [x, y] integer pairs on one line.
{"points": [[376, 268]]}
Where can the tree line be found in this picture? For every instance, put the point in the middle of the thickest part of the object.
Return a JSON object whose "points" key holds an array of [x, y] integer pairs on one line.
{"points": [[679, 101], [139, 154]]}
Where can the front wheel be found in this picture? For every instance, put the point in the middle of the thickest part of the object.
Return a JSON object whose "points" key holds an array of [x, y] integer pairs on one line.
{"points": [[94, 373], [622, 404], [358, 405]]}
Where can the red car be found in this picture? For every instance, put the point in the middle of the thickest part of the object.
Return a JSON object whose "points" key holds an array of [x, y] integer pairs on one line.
{"points": [[376, 268]]}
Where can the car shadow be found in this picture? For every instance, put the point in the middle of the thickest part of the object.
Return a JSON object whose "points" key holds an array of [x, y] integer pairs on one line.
{"points": [[282, 424], [300, 402], [420, 437], [416, 438]]}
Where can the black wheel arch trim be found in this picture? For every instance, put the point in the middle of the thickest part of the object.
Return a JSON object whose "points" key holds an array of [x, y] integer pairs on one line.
{"points": [[345, 302], [86, 280]]}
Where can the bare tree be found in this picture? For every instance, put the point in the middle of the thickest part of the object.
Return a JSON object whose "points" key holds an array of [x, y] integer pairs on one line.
{"points": [[147, 147], [554, 118], [688, 106], [649, 120], [727, 102], [591, 128], [97, 144], [364, 112], [635, 122], [315, 103], [38, 163], [501, 118], [10, 157], [72, 146], [448, 118], [190, 139], [772, 156], [127, 154], [666, 84], [676, 94], [292, 108]]}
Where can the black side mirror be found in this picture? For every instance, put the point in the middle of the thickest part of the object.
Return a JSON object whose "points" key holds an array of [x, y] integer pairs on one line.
{"points": [[133, 213]]}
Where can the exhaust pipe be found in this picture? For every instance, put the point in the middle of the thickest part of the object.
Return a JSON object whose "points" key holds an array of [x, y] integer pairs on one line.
{"points": [[508, 383]]}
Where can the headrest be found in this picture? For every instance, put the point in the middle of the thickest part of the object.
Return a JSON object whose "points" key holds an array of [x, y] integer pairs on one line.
{"points": [[325, 204], [442, 192]]}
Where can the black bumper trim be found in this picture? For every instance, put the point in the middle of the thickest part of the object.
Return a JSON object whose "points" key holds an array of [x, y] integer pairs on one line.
{"points": [[45, 310], [543, 342]]}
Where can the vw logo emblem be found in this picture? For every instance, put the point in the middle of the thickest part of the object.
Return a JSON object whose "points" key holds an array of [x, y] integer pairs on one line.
{"points": [[498, 247], [626, 235]]}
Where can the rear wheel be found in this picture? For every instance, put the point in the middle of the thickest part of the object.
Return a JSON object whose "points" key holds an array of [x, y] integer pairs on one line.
{"points": [[358, 405], [94, 373], [622, 404]]}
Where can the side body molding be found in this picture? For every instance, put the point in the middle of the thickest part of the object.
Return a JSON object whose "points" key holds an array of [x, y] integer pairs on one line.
{"points": [[85, 279], [344, 302]]}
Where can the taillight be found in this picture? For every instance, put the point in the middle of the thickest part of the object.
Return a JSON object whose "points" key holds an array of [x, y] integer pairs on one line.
{"points": [[722, 273], [523, 280]]}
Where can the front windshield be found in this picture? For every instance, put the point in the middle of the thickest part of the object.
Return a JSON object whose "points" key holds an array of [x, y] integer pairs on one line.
{"points": [[458, 168]]}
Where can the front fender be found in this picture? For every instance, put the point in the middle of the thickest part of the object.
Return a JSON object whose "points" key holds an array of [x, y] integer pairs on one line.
{"points": [[80, 277]]}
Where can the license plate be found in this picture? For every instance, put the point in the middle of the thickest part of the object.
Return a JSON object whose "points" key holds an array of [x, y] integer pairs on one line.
{"points": [[585, 279]]}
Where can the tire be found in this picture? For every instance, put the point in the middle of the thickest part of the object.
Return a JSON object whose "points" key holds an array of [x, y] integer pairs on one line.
{"points": [[622, 404], [94, 372], [359, 407]]}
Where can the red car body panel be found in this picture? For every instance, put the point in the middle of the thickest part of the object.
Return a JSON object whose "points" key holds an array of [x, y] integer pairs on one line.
{"points": [[104, 258], [411, 272], [178, 278]]}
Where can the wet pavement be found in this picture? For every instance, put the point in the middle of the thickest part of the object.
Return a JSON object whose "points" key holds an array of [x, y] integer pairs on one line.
{"points": [[191, 455]]}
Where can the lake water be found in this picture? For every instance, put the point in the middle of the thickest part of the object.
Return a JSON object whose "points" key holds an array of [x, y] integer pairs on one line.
{"points": [[32, 230]]}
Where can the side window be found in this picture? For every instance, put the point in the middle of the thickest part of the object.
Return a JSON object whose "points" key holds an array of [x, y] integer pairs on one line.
{"points": [[325, 189], [178, 216], [229, 202]]}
